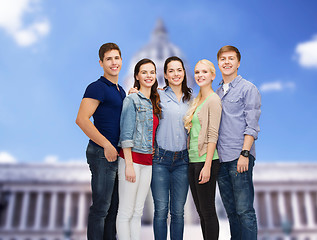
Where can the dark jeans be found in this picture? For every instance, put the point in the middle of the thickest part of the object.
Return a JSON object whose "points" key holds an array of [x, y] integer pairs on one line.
{"points": [[169, 189], [104, 186], [237, 193], [204, 198]]}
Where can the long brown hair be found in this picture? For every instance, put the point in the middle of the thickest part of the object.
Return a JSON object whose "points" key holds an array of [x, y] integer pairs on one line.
{"points": [[185, 89], [155, 97]]}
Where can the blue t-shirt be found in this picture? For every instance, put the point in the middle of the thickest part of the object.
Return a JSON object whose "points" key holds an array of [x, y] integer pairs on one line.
{"points": [[107, 115]]}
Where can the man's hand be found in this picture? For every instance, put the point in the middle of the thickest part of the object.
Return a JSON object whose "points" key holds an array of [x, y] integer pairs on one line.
{"points": [[153, 152], [243, 164], [133, 90], [130, 173], [111, 153], [204, 175]]}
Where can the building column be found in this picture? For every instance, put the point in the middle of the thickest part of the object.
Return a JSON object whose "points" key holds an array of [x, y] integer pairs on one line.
{"points": [[256, 208], [295, 207], [269, 215], [10, 212], [52, 214], [189, 208], [67, 217], [81, 211], [38, 211], [281, 207], [309, 210], [24, 212]]}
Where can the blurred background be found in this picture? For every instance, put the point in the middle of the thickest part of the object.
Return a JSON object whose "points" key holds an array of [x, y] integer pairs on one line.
{"points": [[49, 54]]}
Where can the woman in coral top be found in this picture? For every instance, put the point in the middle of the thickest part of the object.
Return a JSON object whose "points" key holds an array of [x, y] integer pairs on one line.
{"points": [[139, 120]]}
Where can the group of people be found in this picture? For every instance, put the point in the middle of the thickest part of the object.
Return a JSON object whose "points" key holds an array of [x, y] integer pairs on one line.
{"points": [[167, 140]]}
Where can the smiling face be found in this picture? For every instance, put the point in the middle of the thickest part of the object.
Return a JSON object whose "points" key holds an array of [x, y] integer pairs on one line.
{"points": [[228, 64], [146, 75], [203, 74], [111, 64], [174, 73]]}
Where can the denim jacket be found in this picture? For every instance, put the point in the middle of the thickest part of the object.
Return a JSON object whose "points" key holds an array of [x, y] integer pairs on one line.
{"points": [[136, 123]]}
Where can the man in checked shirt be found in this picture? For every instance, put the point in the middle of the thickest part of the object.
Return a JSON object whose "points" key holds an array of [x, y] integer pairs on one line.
{"points": [[241, 103]]}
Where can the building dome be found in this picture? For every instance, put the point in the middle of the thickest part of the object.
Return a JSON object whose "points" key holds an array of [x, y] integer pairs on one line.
{"points": [[158, 50]]}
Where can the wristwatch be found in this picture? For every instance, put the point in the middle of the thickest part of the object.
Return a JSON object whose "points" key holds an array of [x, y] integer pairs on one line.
{"points": [[245, 153]]}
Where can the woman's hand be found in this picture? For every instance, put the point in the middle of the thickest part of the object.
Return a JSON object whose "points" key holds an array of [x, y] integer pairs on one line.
{"points": [[204, 175], [130, 173]]}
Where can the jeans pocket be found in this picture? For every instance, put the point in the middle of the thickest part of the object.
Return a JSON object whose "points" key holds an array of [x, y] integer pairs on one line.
{"points": [[112, 166], [186, 158], [158, 156], [156, 159]]}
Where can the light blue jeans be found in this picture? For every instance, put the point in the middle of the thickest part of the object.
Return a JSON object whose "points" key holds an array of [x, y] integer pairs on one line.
{"points": [[169, 189], [237, 194]]}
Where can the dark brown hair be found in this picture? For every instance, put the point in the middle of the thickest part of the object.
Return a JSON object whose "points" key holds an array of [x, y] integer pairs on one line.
{"points": [[155, 97], [185, 89], [107, 47], [229, 48]]}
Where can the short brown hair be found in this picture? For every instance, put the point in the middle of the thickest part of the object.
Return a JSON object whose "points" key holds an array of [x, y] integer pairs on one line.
{"points": [[108, 47], [229, 48]]}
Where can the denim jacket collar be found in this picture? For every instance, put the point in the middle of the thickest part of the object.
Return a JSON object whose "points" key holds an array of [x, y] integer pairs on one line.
{"points": [[142, 96]]}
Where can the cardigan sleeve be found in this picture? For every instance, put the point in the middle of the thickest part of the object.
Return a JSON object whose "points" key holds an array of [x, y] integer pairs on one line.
{"points": [[214, 116]]}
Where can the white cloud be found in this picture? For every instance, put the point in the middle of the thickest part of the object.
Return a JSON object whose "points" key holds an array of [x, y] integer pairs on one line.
{"points": [[6, 157], [277, 86], [306, 53], [51, 159], [12, 14]]}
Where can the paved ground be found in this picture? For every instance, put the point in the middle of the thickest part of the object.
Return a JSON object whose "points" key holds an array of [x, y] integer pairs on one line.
{"points": [[191, 232]]}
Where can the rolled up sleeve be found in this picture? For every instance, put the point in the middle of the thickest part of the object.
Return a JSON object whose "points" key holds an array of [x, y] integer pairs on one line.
{"points": [[252, 112], [127, 123]]}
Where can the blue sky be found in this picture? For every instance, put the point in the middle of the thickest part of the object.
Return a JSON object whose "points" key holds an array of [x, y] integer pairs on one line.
{"points": [[49, 54]]}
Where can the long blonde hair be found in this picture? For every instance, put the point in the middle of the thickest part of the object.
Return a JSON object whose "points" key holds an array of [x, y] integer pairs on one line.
{"points": [[193, 106]]}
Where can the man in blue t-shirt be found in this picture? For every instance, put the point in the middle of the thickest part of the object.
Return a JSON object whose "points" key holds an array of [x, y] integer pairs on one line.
{"points": [[103, 100]]}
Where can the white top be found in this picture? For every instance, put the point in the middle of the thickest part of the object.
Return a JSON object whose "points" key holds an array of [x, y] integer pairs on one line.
{"points": [[225, 87]]}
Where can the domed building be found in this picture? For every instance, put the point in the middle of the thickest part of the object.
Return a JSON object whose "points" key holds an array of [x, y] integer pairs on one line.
{"points": [[50, 201], [158, 50]]}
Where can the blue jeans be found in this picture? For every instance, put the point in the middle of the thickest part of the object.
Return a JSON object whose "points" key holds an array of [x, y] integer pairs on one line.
{"points": [[169, 189], [104, 186], [237, 194]]}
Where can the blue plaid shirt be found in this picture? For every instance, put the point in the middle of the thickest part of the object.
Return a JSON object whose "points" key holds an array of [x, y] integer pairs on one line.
{"points": [[241, 110]]}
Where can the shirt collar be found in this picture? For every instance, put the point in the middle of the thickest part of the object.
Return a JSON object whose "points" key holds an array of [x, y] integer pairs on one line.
{"points": [[170, 93], [167, 89], [105, 80], [234, 82]]}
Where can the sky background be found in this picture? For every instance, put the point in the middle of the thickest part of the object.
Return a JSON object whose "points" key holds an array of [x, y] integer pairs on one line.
{"points": [[49, 54]]}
